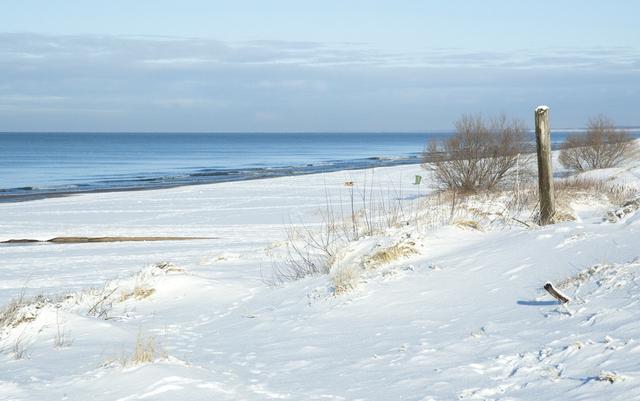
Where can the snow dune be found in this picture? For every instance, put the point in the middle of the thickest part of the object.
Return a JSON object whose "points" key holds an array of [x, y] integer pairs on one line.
{"points": [[464, 317]]}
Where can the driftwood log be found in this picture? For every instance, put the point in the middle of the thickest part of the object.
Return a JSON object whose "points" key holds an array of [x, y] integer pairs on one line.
{"points": [[556, 294]]}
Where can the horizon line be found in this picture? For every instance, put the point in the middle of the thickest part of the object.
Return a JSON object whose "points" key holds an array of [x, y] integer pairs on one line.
{"points": [[429, 131]]}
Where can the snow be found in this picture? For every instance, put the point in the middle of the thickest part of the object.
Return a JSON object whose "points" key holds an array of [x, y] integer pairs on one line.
{"points": [[462, 317]]}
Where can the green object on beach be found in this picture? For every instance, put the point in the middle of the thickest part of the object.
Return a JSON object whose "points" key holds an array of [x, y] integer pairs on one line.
{"points": [[418, 180]]}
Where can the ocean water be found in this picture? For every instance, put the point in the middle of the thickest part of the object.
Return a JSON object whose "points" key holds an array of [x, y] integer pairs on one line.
{"points": [[44, 164], [34, 165]]}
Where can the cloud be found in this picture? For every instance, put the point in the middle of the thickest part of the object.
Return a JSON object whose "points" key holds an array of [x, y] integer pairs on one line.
{"points": [[164, 83]]}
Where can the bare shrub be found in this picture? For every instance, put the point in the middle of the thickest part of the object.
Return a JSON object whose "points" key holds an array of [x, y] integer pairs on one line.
{"points": [[104, 304], [602, 146], [306, 255], [480, 155], [366, 211]]}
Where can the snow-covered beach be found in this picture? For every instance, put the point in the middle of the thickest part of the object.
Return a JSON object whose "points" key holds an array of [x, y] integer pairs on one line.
{"points": [[461, 316]]}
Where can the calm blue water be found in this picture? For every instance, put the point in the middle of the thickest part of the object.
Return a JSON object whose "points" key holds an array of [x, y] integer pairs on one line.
{"points": [[44, 164], [48, 163]]}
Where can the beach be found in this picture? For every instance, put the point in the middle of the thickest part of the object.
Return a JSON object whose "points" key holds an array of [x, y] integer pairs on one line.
{"points": [[319, 201], [461, 315]]}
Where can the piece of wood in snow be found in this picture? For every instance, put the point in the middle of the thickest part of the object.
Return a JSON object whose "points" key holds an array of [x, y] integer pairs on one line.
{"points": [[555, 293]]}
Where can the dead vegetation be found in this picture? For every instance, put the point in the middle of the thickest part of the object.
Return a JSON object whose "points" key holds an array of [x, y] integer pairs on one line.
{"points": [[146, 350], [469, 224], [318, 249], [361, 210], [345, 280], [579, 187], [21, 310], [627, 208], [61, 338], [611, 377], [18, 318], [390, 254], [584, 276], [97, 303], [138, 293], [139, 286], [601, 146], [19, 348], [480, 155]]}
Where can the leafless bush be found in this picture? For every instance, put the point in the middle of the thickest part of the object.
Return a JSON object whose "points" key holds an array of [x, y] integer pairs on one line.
{"points": [[365, 211], [480, 155], [602, 146], [104, 304]]}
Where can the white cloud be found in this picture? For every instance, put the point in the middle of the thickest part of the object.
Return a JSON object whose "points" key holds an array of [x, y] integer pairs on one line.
{"points": [[161, 83]]}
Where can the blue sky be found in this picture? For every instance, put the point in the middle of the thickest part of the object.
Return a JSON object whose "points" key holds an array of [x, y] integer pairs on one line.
{"points": [[312, 66]]}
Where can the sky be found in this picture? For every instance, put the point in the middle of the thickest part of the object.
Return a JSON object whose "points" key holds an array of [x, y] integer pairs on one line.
{"points": [[298, 66]]}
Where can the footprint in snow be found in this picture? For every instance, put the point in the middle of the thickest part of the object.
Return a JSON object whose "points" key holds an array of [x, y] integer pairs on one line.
{"points": [[573, 239]]}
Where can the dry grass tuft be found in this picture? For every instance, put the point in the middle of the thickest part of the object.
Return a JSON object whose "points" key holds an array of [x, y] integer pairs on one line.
{"points": [[578, 187], [625, 210], [19, 349], [472, 224], [563, 214], [139, 292], [611, 377], [345, 280], [390, 254], [18, 312], [583, 276], [168, 267], [146, 350]]}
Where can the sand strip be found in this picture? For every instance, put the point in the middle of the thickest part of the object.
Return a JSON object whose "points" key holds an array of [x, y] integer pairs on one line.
{"points": [[82, 240]]}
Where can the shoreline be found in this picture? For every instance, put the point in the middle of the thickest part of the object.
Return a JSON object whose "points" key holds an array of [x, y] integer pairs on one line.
{"points": [[212, 176], [207, 176]]}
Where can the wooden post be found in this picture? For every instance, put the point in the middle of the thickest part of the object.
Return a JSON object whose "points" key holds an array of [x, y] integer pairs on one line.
{"points": [[556, 294], [545, 171]]}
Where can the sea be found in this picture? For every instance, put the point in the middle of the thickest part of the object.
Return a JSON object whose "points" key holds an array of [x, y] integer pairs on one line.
{"points": [[38, 165]]}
